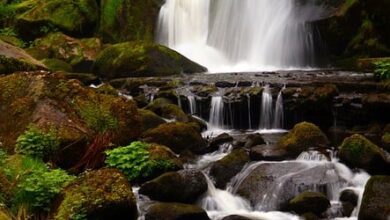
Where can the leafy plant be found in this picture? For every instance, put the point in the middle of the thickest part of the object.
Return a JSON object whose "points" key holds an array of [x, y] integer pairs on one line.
{"points": [[8, 32], [382, 70], [36, 142], [40, 187], [135, 161], [98, 118]]}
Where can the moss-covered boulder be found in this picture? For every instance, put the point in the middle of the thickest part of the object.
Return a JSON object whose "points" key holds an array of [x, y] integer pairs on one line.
{"points": [[183, 186], [166, 109], [140, 58], [226, 168], [302, 137], [149, 119], [177, 136], [386, 141], [77, 17], [57, 65], [79, 53], [128, 19], [358, 151], [175, 211], [13, 59], [314, 202], [376, 199], [81, 117], [100, 194]]}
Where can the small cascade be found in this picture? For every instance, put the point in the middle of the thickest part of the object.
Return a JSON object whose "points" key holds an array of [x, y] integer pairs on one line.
{"points": [[149, 92], [266, 114], [279, 111], [216, 111], [192, 104]]}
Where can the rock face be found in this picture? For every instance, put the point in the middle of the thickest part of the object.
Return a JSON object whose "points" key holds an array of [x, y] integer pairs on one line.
{"points": [[149, 120], [166, 109], [100, 194], [175, 211], [358, 151], [183, 186], [376, 200], [80, 54], [306, 202], [78, 114], [226, 168], [128, 19], [272, 185], [142, 58], [177, 136], [302, 137], [74, 17], [13, 59]]}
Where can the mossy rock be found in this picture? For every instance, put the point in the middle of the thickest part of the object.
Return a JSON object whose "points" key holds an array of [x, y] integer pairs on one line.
{"points": [[57, 65], [223, 170], [100, 194], [142, 59], [314, 202], [303, 136], [79, 115], [386, 141], [149, 120], [164, 108], [74, 17], [79, 53], [177, 136], [175, 211], [14, 59], [128, 19], [4, 215], [358, 151], [184, 186], [376, 199]]}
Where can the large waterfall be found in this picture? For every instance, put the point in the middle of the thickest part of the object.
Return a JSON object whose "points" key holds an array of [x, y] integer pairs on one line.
{"points": [[240, 35]]}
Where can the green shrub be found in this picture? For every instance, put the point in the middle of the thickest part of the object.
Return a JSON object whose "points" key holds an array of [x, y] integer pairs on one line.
{"points": [[39, 188], [98, 118], [135, 161], [37, 143], [382, 70]]}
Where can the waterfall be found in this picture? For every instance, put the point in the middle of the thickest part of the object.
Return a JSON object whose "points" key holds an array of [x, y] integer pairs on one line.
{"points": [[216, 111], [279, 111], [192, 104], [240, 35], [266, 114]]}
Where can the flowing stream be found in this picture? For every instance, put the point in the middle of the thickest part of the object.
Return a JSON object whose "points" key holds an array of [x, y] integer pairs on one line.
{"points": [[241, 35]]}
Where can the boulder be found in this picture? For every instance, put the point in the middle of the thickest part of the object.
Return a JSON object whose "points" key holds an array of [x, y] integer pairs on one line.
{"points": [[175, 211], [177, 136], [303, 137], [55, 65], [358, 151], [314, 202], [268, 153], [164, 108], [79, 115], [149, 119], [184, 186], [349, 200], [142, 59], [99, 194], [14, 59], [128, 20], [73, 17], [376, 200], [79, 53], [223, 170], [215, 142]]}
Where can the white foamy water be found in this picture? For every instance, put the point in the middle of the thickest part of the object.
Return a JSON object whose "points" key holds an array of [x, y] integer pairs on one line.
{"points": [[240, 35]]}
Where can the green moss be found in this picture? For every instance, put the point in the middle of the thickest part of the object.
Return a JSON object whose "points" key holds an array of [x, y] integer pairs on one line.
{"points": [[57, 65], [10, 65]]}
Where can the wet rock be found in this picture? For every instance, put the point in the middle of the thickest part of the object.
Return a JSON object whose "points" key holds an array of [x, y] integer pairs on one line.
{"points": [[201, 124], [100, 194], [183, 186], [358, 151], [302, 137], [306, 202], [175, 211], [177, 136], [225, 84], [13, 59], [223, 170], [268, 153], [310, 216], [272, 185], [235, 217], [149, 120], [220, 139], [349, 200], [164, 108], [142, 59], [376, 200], [249, 141]]}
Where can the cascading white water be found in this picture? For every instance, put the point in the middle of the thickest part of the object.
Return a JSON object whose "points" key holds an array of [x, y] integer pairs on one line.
{"points": [[192, 104], [240, 35], [279, 111], [266, 114], [216, 112]]}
